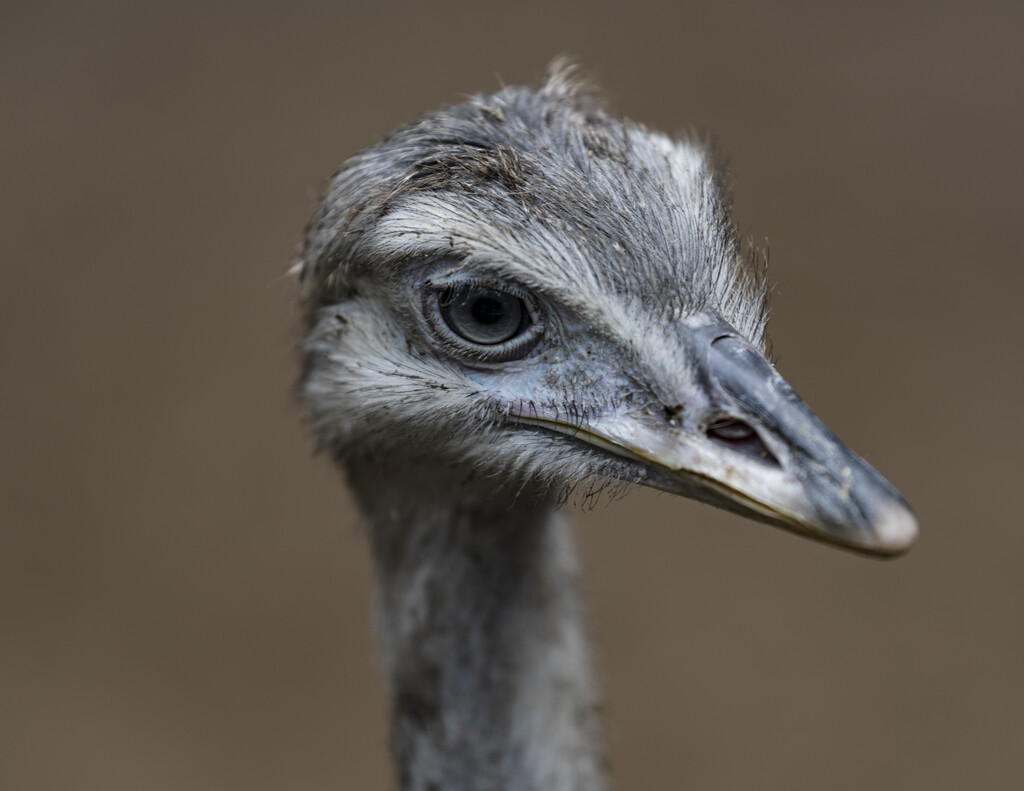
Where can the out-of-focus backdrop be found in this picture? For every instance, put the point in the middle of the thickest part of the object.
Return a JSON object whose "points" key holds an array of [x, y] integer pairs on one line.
{"points": [[185, 596]]}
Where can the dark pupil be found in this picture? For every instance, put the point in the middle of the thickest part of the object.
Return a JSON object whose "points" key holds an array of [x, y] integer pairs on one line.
{"points": [[484, 316], [488, 310]]}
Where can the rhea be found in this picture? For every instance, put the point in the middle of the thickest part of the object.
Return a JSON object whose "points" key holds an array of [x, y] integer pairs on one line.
{"points": [[508, 301]]}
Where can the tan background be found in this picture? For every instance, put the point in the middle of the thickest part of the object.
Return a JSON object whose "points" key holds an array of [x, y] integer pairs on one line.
{"points": [[184, 594]]}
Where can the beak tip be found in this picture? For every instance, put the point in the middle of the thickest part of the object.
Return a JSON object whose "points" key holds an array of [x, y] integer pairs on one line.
{"points": [[896, 529]]}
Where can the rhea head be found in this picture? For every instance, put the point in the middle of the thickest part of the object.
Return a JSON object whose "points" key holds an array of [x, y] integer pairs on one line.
{"points": [[523, 291]]}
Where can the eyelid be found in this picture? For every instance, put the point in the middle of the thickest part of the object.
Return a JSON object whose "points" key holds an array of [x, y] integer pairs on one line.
{"points": [[458, 280]]}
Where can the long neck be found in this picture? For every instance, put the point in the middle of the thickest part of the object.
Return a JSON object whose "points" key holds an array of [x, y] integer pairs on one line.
{"points": [[483, 637]]}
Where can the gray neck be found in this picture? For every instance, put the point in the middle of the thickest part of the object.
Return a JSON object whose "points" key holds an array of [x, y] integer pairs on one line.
{"points": [[483, 637]]}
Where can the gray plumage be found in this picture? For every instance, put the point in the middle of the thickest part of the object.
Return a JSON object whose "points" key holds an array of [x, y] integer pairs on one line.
{"points": [[630, 338]]}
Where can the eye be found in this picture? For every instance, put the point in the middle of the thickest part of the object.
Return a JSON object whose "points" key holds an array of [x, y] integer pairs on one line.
{"points": [[483, 315], [483, 322]]}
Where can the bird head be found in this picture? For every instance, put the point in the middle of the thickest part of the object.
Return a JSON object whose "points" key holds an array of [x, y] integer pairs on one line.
{"points": [[527, 290]]}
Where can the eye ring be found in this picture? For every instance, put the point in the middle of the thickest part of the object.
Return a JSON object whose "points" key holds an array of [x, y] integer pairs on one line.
{"points": [[482, 321]]}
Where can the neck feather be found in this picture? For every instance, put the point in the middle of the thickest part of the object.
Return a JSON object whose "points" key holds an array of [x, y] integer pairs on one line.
{"points": [[483, 636]]}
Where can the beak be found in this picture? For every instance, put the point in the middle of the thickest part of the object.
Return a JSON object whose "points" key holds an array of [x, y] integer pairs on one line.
{"points": [[741, 439]]}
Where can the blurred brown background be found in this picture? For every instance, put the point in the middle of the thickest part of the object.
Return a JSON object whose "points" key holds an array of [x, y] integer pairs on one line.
{"points": [[184, 593]]}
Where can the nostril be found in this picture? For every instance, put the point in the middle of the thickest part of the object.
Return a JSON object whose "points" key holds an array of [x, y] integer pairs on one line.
{"points": [[731, 431], [742, 438]]}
